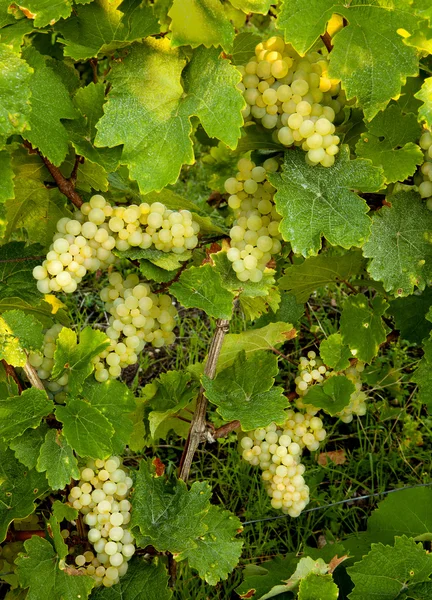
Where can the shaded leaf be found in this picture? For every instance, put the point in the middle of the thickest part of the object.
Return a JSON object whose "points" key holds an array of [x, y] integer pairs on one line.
{"points": [[333, 396], [410, 316], [22, 412], [16, 273], [27, 446], [244, 47], [334, 352], [62, 511]]}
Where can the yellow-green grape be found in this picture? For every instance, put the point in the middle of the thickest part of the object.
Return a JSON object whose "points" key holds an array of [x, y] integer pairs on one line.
{"points": [[44, 364], [9, 551], [294, 96], [357, 405], [423, 178], [101, 495], [255, 233], [153, 226], [137, 317], [30, 523], [81, 244], [311, 371]]}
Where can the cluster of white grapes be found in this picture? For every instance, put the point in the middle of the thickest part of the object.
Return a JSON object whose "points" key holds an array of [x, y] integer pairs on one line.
{"points": [[255, 233], [277, 450], [44, 364], [101, 496], [9, 551], [137, 317], [424, 176], [312, 371], [85, 243], [294, 96]]}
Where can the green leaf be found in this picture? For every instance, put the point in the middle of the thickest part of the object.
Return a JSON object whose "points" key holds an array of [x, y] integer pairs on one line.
{"points": [[257, 137], [390, 143], [202, 287], [217, 551], [153, 85], [143, 581], [251, 341], [304, 568], [164, 260], [16, 273], [319, 271], [46, 12], [410, 316], [50, 101], [362, 327], [260, 579], [253, 6], [19, 488], [364, 50], [334, 352], [35, 207], [100, 28], [288, 312], [245, 391], [244, 47], [333, 396], [22, 412], [317, 201], [42, 312], [39, 571], [195, 22], [247, 288], [15, 94], [58, 460], [116, 402], [425, 95], [62, 511], [169, 517], [74, 358], [387, 571], [85, 428], [318, 587], [27, 446], [6, 176], [422, 376], [19, 334], [399, 244]]}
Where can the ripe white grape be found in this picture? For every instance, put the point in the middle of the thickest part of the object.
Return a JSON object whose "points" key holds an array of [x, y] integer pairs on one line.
{"points": [[44, 364], [294, 96], [423, 177], [107, 525]]}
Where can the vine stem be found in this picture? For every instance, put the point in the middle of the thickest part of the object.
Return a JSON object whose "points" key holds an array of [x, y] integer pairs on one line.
{"points": [[198, 428]]}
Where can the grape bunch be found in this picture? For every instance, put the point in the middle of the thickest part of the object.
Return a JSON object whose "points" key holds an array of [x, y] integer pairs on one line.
{"points": [[101, 496], [9, 551], [312, 371], [44, 364], [137, 317], [85, 243], [277, 450], [424, 176], [294, 96], [255, 233]]}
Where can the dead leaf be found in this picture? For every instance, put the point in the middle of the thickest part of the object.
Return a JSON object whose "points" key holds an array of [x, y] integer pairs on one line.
{"points": [[159, 466], [338, 457], [335, 562]]}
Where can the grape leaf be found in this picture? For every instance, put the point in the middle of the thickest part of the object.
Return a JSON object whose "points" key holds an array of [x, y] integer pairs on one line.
{"points": [[35, 207], [47, 12], [288, 312], [369, 54], [58, 460], [317, 201], [104, 26], [202, 287], [245, 391], [217, 551], [39, 571], [253, 340], [169, 517], [319, 271], [333, 396], [85, 428], [62, 511], [425, 95], [260, 579], [15, 272], [27, 446], [15, 94], [19, 333], [247, 288], [53, 530], [74, 358], [399, 244], [6, 176], [164, 260], [195, 22], [43, 311], [334, 352], [244, 47], [22, 412], [148, 84], [116, 402], [410, 316], [50, 102], [253, 6], [390, 143], [386, 571], [422, 376], [362, 327], [143, 581], [316, 587], [19, 488], [257, 137]]}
